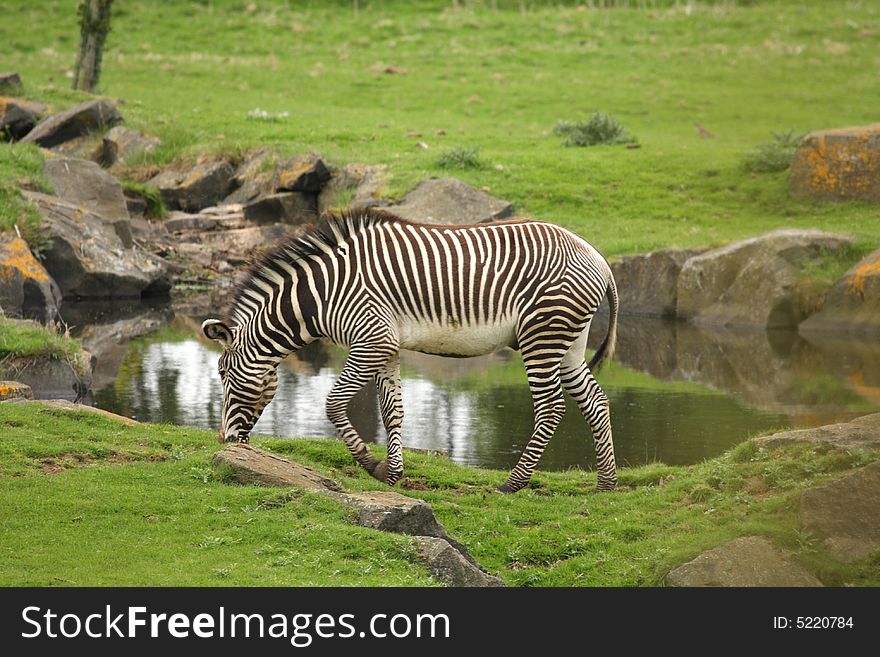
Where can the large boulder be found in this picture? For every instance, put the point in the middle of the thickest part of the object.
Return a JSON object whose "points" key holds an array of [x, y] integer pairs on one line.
{"points": [[253, 177], [845, 514], [648, 282], [451, 201], [86, 184], [202, 186], [749, 561], [121, 144], [852, 305], [303, 173], [862, 433], [286, 208], [252, 465], [18, 117], [25, 286], [52, 378], [838, 164], [357, 186], [90, 116], [88, 259], [754, 283]]}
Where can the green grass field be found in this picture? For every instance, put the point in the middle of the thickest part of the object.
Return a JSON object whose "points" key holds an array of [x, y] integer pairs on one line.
{"points": [[87, 500], [498, 81]]}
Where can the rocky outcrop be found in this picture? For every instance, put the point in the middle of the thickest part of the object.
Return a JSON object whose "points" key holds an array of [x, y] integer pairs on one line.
{"points": [[295, 208], [87, 185], [15, 390], [18, 117], [749, 561], [253, 177], [450, 567], [202, 186], [648, 283], [304, 173], [836, 165], [252, 465], [756, 282], [852, 305], [26, 289], [450, 201], [88, 259], [91, 116], [52, 378], [121, 144], [859, 434], [363, 184], [845, 514]]}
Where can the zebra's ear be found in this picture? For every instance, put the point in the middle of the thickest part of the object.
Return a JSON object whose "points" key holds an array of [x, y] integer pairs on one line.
{"points": [[214, 329]]}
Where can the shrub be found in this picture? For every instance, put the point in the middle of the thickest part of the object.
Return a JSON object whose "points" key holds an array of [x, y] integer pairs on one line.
{"points": [[602, 128], [772, 155], [152, 196], [461, 157]]}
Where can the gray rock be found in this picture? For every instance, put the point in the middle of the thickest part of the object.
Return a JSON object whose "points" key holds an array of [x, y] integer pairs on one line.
{"points": [[648, 283], [90, 116], [86, 184], [449, 566], [15, 390], [242, 242], [365, 183], [88, 147], [10, 80], [748, 561], [754, 283], [52, 378], [286, 208], [852, 305], [836, 165], [121, 144], [392, 512], [178, 222], [18, 117], [859, 434], [88, 259], [845, 514], [26, 288], [303, 173], [204, 185], [252, 465], [253, 177], [450, 201]]}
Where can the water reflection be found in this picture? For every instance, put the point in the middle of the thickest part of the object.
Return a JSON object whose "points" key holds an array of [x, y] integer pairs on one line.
{"points": [[680, 395]]}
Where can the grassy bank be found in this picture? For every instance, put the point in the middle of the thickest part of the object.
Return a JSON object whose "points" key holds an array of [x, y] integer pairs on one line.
{"points": [[699, 87], [22, 339], [86, 500]]}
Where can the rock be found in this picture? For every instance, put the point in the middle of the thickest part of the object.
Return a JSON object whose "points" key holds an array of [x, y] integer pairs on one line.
{"points": [[121, 144], [88, 259], [88, 147], [18, 117], [450, 201], [450, 567], [748, 561], [648, 282], [67, 405], [252, 465], [852, 305], [52, 378], [10, 80], [286, 208], [15, 390], [90, 116], [178, 222], [845, 514], [204, 185], [136, 205], [863, 433], [243, 241], [392, 512], [836, 165], [304, 173], [365, 182], [86, 184], [253, 177], [25, 286], [755, 282]]}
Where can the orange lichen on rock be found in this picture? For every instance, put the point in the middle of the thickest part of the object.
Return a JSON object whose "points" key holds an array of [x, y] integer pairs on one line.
{"points": [[16, 254], [838, 164], [865, 269]]}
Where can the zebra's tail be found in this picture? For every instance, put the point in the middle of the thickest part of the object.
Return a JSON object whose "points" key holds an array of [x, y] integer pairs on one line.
{"points": [[605, 352]]}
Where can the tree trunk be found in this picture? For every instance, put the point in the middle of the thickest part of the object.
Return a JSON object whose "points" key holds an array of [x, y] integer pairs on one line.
{"points": [[94, 23]]}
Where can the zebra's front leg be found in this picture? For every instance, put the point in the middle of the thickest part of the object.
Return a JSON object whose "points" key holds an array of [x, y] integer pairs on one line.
{"points": [[391, 405], [361, 367]]}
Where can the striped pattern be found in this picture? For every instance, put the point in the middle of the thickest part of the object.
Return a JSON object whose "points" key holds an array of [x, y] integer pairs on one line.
{"points": [[377, 284]]}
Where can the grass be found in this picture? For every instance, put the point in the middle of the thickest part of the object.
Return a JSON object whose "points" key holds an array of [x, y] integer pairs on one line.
{"points": [[152, 197], [191, 73], [602, 128], [21, 165], [773, 156], [461, 157], [26, 340], [164, 516]]}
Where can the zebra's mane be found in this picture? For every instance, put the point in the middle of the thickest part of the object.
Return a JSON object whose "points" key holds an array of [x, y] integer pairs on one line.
{"points": [[332, 230]]}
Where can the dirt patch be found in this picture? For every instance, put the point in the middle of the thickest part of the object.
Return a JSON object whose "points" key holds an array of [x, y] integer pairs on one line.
{"points": [[410, 484], [69, 460]]}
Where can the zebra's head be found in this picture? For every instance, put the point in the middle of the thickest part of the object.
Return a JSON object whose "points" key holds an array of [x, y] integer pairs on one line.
{"points": [[248, 382]]}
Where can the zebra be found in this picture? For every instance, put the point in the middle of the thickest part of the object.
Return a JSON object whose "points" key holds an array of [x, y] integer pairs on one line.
{"points": [[376, 284]]}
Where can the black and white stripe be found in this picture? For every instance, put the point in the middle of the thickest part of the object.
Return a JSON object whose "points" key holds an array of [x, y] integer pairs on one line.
{"points": [[377, 284]]}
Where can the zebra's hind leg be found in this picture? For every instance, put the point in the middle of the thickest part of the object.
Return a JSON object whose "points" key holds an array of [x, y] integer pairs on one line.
{"points": [[546, 389], [580, 383], [363, 364], [391, 405]]}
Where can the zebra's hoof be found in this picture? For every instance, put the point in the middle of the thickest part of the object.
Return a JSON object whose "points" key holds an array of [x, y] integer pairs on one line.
{"points": [[506, 488], [380, 472], [606, 488]]}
